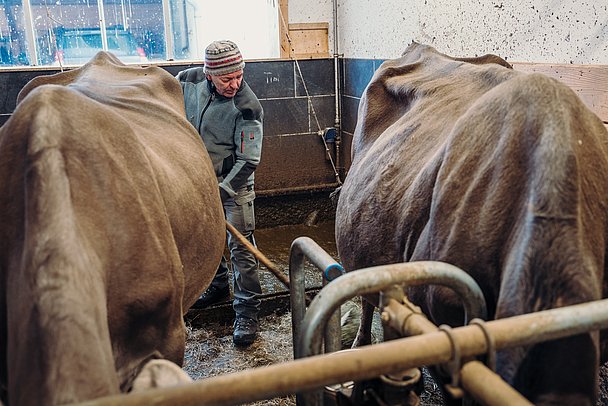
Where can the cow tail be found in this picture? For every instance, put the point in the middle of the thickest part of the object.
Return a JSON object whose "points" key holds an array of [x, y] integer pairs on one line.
{"points": [[58, 333]]}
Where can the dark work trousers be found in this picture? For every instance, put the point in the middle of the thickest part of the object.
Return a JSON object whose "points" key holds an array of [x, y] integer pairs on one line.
{"points": [[245, 280]]}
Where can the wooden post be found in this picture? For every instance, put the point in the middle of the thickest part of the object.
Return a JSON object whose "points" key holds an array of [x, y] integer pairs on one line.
{"points": [[283, 29]]}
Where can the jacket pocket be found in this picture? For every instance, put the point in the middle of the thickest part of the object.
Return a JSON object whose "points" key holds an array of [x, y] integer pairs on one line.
{"points": [[244, 199], [244, 195]]}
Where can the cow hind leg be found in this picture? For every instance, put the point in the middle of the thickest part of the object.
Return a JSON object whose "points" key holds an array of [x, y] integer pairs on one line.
{"points": [[546, 378], [364, 334]]}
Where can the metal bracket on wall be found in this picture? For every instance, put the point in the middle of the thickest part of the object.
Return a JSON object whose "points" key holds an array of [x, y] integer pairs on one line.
{"points": [[329, 134]]}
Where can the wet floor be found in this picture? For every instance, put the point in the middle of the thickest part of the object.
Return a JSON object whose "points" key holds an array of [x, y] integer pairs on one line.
{"points": [[275, 244], [209, 348]]}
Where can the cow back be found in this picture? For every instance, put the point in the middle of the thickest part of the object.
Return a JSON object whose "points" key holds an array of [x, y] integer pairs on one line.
{"points": [[497, 172], [111, 225]]}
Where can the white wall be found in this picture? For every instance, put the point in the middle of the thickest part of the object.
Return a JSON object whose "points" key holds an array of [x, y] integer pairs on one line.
{"points": [[555, 31], [252, 24], [320, 11]]}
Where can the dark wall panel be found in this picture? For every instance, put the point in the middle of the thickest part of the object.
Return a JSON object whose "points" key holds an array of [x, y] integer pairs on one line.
{"points": [[293, 162], [293, 155], [4, 118], [324, 108], [346, 146], [175, 69], [357, 74], [11, 82], [285, 116], [318, 77], [271, 79], [350, 105]]}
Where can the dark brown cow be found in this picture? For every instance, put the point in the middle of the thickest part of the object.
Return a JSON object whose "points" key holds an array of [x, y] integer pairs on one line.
{"points": [[110, 227], [501, 173]]}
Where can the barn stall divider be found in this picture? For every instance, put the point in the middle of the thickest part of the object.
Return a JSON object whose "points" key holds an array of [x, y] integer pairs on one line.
{"points": [[305, 248], [406, 319], [311, 372]]}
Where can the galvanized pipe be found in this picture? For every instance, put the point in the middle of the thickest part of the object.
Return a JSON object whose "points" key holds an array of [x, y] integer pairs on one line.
{"points": [[406, 320], [488, 388], [333, 330], [376, 279], [371, 361], [337, 77], [373, 280], [483, 384], [301, 248]]}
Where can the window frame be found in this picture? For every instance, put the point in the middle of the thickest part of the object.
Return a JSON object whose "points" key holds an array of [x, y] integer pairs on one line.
{"points": [[33, 52]]}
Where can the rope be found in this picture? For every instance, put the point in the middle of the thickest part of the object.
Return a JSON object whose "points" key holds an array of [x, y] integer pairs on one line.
{"points": [[453, 365], [309, 98]]}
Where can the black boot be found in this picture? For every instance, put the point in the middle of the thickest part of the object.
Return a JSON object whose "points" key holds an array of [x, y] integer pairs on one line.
{"points": [[212, 296], [245, 331]]}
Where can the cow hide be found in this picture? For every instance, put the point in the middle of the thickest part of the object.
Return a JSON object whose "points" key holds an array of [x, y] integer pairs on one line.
{"points": [[111, 225], [498, 172]]}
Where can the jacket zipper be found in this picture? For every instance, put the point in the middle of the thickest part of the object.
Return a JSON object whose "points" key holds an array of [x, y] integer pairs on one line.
{"points": [[200, 120]]}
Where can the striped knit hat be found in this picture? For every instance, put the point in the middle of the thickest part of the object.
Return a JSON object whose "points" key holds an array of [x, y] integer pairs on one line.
{"points": [[222, 57]]}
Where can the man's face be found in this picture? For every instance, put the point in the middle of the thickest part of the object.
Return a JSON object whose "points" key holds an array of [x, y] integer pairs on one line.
{"points": [[227, 85]]}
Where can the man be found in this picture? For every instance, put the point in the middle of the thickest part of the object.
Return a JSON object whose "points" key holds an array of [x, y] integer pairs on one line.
{"points": [[228, 116]]}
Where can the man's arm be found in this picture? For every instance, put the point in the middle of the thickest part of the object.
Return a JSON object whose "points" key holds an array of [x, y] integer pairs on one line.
{"points": [[248, 136], [248, 140]]}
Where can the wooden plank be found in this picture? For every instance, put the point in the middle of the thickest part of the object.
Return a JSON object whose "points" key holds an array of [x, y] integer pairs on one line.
{"points": [[590, 82], [283, 29], [309, 40], [309, 26]]}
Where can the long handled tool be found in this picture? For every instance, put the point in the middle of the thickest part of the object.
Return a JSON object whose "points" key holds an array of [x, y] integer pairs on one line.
{"points": [[259, 255]]}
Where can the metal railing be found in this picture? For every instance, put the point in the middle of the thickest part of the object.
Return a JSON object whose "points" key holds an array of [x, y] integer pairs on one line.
{"points": [[371, 361], [311, 371], [303, 248]]}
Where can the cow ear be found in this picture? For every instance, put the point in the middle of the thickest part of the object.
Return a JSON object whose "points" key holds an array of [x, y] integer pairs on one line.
{"points": [[485, 59]]}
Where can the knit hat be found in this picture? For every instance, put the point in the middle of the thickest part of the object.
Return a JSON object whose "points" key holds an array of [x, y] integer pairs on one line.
{"points": [[222, 57]]}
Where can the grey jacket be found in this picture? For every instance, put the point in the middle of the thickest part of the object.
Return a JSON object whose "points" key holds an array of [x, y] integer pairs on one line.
{"points": [[231, 128]]}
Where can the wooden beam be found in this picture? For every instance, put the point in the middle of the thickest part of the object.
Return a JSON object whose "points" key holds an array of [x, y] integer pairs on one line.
{"points": [[284, 29], [589, 82]]}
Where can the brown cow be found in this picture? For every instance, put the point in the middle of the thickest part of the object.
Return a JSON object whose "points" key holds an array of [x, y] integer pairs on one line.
{"points": [[110, 227], [500, 173]]}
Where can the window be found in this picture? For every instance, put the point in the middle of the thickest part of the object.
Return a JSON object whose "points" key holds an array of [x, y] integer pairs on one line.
{"points": [[70, 32]]}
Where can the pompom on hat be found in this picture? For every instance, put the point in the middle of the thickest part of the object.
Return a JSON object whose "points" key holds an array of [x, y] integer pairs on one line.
{"points": [[222, 57]]}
